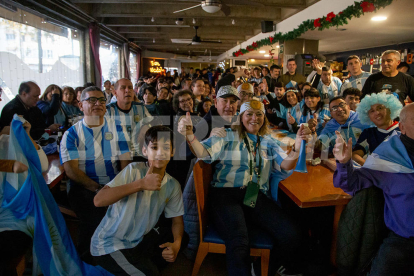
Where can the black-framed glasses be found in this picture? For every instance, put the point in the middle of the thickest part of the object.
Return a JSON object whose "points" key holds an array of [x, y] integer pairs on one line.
{"points": [[185, 101], [93, 100], [341, 105]]}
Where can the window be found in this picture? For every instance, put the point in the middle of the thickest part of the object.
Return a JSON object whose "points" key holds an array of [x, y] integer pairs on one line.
{"points": [[60, 60], [10, 36], [109, 56], [133, 67]]}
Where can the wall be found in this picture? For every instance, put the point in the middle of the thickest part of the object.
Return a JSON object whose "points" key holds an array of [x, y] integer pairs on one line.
{"points": [[342, 56]]}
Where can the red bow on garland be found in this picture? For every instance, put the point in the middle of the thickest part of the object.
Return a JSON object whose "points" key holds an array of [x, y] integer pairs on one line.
{"points": [[254, 45], [316, 23], [367, 7], [270, 39], [330, 16]]}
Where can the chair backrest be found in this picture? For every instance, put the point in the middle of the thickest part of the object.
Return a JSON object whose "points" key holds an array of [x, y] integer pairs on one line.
{"points": [[203, 175]]}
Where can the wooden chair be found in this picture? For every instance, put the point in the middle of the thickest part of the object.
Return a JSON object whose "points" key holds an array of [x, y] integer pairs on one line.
{"points": [[210, 241]]}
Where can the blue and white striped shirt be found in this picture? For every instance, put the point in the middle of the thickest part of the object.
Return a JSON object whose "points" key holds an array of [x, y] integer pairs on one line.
{"points": [[330, 91], [295, 111], [323, 114], [355, 82], [97, 149], [233, 169], [130, 121], [129, 219]]}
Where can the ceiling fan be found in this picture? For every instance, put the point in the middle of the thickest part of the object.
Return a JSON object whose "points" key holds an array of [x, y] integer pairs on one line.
{"points": [[212, 6], [196, 40]]}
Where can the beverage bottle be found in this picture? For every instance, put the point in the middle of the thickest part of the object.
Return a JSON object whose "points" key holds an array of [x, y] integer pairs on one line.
{"points": [[59, 139]]}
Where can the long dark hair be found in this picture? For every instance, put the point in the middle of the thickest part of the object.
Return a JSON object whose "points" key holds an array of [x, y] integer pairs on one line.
{"points": [[284, 99], [312, 93]]}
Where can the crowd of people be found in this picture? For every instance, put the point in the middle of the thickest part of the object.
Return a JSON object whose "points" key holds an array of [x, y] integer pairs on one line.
{"points": [[130, 158]]}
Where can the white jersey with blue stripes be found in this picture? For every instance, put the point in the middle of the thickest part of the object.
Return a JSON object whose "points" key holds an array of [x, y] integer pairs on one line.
{"points": [[330, 91], [97, 149], [233, 168], [128, 220], [130, 120], [355, 82]]}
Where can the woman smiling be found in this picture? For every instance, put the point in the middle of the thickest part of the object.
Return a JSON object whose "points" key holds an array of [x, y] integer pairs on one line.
{"points": [[245, 158]]}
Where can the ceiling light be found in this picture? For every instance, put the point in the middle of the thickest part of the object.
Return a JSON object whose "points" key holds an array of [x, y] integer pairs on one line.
{"points": [[211, 6], [227, 63], [179, 21], [252, 59], [379, 18], [262, 52], [277, 46], [233, 22], [153, 40], [194, 21], [152, 19], [267, 55]]}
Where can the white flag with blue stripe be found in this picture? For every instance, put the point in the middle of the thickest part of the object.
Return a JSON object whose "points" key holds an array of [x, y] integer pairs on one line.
{"points": [[30, 197]]}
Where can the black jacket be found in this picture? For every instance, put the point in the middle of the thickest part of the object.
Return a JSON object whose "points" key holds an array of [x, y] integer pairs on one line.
{"points": [[33, 115]]}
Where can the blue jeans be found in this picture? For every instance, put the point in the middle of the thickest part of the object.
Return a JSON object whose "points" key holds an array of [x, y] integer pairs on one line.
{"points": [[231, 217], [395, 257]]}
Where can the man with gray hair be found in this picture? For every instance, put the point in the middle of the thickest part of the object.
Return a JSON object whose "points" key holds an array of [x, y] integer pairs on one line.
{"points": [[390, 80], [90, 152]]}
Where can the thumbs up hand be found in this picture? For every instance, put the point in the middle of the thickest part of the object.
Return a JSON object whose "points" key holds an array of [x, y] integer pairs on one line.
{"points": [[291, 120], [185, 125]]}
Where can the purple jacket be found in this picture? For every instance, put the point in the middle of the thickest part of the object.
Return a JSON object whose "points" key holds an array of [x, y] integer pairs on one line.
{"points": [[398, 191]]}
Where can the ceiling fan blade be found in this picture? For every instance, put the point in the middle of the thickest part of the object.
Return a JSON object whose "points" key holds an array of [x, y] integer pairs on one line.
{"points": [[225, 9], [210, 41], [188, 8], [242, 3]]}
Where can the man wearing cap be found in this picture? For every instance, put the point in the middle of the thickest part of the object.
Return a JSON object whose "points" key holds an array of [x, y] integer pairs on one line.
{"points": [[221, 114], [357, 76], [245, 92]]}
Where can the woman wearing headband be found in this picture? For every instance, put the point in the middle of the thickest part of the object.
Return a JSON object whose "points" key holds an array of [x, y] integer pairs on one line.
{"points": [[291, 109], [239, 194], [380, 111]]}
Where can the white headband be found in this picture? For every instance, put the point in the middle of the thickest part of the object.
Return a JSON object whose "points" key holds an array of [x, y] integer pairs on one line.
{"points": [[256, 105]]}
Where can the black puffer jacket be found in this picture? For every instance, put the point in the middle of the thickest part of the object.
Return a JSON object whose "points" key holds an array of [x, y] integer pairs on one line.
{"points": [[361, 231]]}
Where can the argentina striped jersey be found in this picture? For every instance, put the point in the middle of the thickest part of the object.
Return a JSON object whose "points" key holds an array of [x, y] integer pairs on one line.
{"points": [[129, 219], [97, 149], [233, 167]]}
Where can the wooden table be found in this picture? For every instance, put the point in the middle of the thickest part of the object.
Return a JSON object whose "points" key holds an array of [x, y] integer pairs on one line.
{"points": [[315, 189], [55, 172]]}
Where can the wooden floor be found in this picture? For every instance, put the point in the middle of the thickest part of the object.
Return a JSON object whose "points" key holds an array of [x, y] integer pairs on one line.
{"points": [[213, 265]]}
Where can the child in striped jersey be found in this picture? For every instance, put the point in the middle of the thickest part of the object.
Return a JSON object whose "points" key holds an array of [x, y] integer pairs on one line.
{"points": [[130, 239]]}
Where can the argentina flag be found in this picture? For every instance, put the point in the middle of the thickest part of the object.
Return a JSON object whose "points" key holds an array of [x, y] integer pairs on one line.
{"points": [[26, 195], [390, 156]]}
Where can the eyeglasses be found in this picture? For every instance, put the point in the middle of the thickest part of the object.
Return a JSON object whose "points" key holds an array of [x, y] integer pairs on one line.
{"points": [[185, 101], [341, 105], [379, 108], [93, 100]]}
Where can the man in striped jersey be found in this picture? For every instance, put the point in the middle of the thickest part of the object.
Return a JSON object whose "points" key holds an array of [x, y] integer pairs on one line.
{"points": [[90, 151], [357, 76], [126, 111]]}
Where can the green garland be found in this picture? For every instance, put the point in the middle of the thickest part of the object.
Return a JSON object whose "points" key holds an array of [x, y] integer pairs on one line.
{"points": [[330, 20]]}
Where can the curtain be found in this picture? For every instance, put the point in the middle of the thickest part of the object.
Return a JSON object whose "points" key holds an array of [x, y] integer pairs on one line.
{"points": [[125, 55], [94, 37], [139, 64]]}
